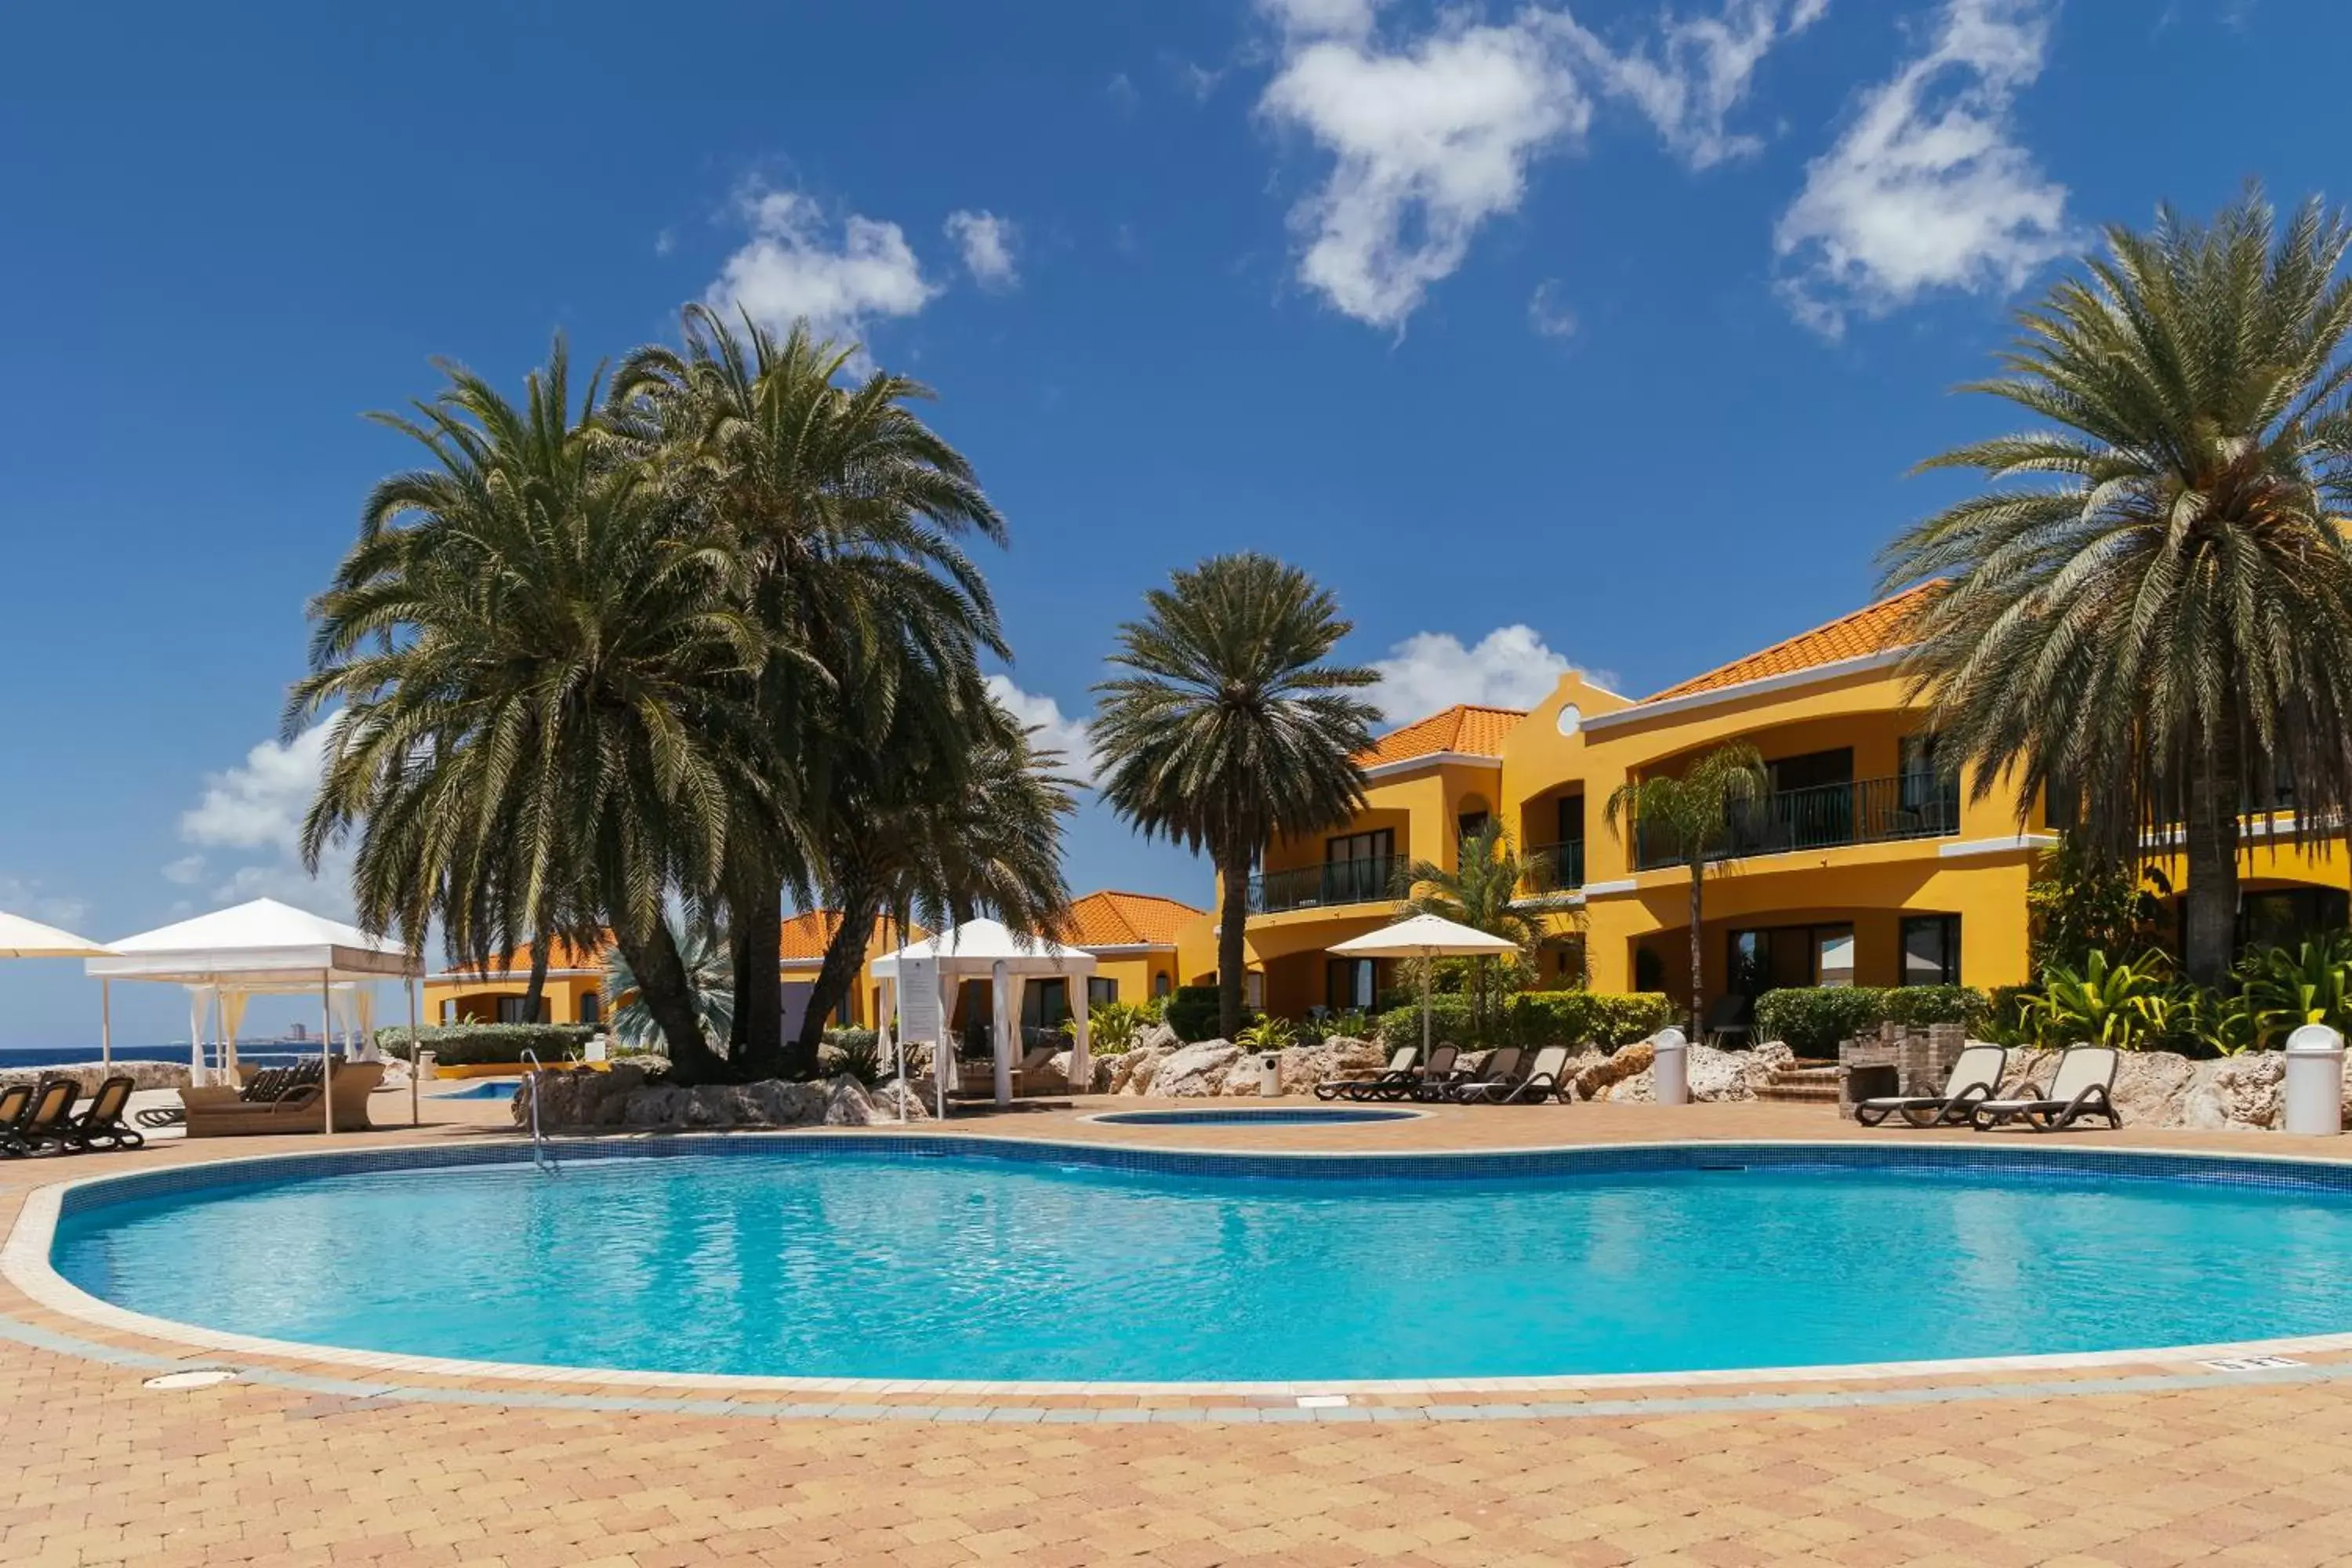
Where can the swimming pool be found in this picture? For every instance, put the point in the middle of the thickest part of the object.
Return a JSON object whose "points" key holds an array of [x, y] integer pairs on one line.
{"points": [[903, 1257], [1290, 1116]]}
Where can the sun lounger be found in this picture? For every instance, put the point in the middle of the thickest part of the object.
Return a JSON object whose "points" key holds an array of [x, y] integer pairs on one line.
{"points": [[41, 1130], [1975, 1078], [102, 1126], [1400, 1067], [1502, 1084], [15, 1101], [1543, 1080], [1438, 1069], [2081, 1088], [1495, 1076], [223, 1113]]}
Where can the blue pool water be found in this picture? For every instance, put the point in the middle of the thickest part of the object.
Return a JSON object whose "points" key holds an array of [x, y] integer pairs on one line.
{"points": [[1296, 1116], [827, 1258], [487, 1088]]}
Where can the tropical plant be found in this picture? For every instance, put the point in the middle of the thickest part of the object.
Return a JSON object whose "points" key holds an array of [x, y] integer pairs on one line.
{"points": [[1690, 818], [2147, 618], [1349, 1024], [709, 971], [2285, 990], [1267, 1034], [858, 1052], [2131, 1005], [2081, 899], [1478, 892], [847, 515], [1193, 1012], [540, 726], [1111, 1026], [1230, 728]]}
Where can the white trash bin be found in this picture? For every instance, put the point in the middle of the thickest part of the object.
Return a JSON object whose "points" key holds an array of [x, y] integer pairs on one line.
{"points": [[1670, 1071], [1269, 1073], [2315, 1081], [425, 1070]]}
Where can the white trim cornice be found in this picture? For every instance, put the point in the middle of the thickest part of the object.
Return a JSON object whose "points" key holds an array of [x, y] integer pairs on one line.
{"points": [[1811, 675], [1434, 760]]}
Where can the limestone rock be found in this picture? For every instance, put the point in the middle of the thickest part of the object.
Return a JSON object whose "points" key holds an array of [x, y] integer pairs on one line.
{"points": [[1195, 1072], [1132, 1073], [1157, 1038], [896, 1101], [90, 1075], [2152, 1088], [1615, 1069], [846, 1103], [2247, 1089]]}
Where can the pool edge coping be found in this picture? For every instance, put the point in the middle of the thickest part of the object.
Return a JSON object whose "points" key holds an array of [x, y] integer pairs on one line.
{"points": [[25, 1263]]}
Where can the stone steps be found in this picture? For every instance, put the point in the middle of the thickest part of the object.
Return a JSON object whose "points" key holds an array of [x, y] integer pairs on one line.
{"points": [[1807, 1084]]}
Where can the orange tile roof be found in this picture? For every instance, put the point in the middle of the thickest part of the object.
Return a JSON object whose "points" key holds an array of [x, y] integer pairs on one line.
{"points": [[1110, 919], [1874, 628], [1462, 729], [805, 936]]}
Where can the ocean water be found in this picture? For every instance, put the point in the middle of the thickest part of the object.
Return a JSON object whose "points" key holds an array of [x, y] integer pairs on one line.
{"points": [[840, 1262], [267, 1054]]}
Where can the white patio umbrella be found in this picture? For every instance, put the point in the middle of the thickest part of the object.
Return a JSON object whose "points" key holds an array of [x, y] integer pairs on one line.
{"points": [[1425, 936], [21, 938]]}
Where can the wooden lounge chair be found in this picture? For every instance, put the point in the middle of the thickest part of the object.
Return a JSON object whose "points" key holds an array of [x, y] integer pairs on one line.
{"points": [[102, 1126], [1542, 1080], [1400, 1065], [224, 1113], [2081, 1088], [41, 1129], [1495, 1074], [1975, 1078]]}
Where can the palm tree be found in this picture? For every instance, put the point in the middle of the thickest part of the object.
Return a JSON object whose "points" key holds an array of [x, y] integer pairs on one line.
{"points": [[948, 825], [1230, 729], [846, 512], [1478, 893], [2153, 623], [541, 725], [710, 971], [1691, 819]]}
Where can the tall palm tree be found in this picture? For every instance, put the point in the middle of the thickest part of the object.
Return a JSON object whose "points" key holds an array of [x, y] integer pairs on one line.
{"points": [[542, 726], [1230, 727], [2148, 618], [848, 515], [1478, 892], [950, 825], [1692, 818]]}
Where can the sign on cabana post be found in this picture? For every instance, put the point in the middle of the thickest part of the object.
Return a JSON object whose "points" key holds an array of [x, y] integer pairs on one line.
{"points": [[919, 1017]]}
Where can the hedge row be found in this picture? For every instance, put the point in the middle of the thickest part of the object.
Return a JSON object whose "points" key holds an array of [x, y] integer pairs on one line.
{"points": [[1536, 1019], [464, 1045], [1812, 1020]]}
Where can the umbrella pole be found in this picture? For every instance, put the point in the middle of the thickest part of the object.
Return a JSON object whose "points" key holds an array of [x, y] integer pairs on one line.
{"points": [[105, 1026], [1424, 1013], [327, 1046], [415, 1105]]}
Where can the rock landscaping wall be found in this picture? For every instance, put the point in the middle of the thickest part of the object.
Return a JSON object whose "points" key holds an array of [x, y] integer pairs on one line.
{"points": [[622, 1097], [90, 1075]]}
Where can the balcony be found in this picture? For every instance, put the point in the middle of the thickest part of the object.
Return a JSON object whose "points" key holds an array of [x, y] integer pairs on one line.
{"points": [[1552, 868], [1368, 881], [1867, 811]]}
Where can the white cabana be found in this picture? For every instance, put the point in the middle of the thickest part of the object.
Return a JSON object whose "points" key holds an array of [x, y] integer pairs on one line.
{"points": [[979, 949], [1424, 937], [21, 938], [264, 948]]}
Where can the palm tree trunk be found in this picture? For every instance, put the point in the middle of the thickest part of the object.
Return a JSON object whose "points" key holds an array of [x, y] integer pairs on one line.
{"points": [[1232, 930], [2210, 938], [535, 992], [844, 956], [668, 994], [1697, 966], [756, 1041]]}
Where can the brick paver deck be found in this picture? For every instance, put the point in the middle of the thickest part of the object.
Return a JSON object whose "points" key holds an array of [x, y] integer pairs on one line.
{"points": [[300, 1463]]}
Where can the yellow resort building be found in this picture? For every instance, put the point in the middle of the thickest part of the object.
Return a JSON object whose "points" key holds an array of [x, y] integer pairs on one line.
{"points": [[1865, 865]]}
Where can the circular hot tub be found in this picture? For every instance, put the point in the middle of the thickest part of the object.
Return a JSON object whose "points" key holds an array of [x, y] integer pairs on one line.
{"points": [[1234, 1116]]}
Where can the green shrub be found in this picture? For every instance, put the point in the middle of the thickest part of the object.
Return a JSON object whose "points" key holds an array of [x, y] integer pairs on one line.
{"points": [[1812, 1020], [1192, 1013], [858, 1052], [465, 1045], [1536, 1019]]}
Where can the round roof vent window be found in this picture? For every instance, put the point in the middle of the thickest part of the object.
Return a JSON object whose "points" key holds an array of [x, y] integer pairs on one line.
{"points": [[1571, 718]]}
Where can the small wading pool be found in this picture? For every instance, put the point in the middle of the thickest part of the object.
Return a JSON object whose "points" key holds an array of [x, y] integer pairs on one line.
{"points": [[1290, 1116], [913, 1257], [482, 1088]]}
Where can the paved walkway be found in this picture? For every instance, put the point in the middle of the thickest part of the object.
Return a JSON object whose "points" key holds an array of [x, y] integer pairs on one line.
{"points": [[304, 1462]]}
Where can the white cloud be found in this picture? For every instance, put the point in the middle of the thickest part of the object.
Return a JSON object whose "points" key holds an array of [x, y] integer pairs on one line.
{"points": [[28, 897], [1048, 727], [1547, 316], [1929, 188], [256, 807], [793, 267], [1699, 71], [1433, 137], [1431, 141], [986, 242], [1510, 666]]}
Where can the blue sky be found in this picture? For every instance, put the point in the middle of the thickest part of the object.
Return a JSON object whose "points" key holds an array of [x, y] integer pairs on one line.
{"points": [[1594, 332]]}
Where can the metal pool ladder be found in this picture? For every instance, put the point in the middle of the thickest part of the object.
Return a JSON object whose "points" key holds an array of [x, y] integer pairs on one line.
{"points": [[539, 1157]]}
